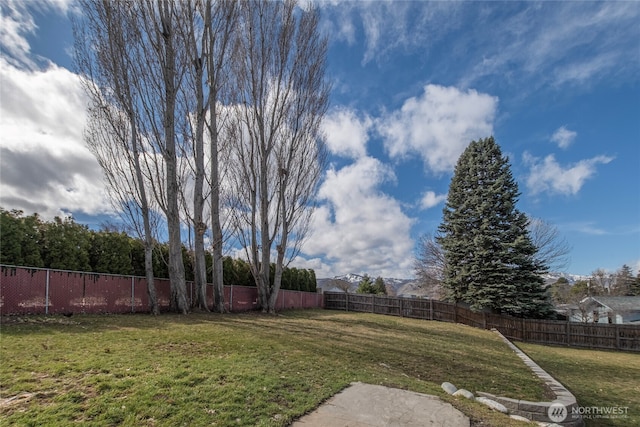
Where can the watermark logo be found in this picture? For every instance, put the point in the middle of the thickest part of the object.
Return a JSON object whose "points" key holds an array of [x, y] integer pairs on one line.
{"points": [[557, 412]]}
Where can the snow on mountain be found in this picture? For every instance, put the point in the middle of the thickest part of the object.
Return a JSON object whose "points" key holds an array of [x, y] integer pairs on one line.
{"points": [[351, 280], [551, 278], [410, 287]]}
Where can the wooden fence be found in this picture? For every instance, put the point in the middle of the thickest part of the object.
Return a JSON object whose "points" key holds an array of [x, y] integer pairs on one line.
{"points": [[586, 335]]}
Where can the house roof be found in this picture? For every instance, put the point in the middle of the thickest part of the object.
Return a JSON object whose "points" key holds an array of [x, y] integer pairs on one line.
{"points": [[619, 303]]}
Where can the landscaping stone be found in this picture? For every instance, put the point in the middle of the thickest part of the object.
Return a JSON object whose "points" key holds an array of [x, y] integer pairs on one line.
{"points": [[449, 388], [493, 404], [464, 393], [520, 418]]}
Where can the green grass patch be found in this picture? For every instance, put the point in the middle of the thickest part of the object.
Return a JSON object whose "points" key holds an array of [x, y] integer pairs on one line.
{"points": [[238, 369], [596, 378]]}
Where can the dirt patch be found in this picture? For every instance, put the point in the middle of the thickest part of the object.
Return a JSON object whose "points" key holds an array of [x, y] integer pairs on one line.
{"points": [[50, 320], [19, 399]]}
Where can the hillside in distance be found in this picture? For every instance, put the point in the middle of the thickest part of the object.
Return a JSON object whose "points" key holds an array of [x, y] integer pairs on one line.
{"points": [[411, 287], [350, 282]]}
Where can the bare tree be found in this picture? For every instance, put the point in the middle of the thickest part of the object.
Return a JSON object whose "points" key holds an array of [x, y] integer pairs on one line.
{"points": [[222, 19], [208, 33], [343, 285], [193, 100], [278, 156], [553, 249], [103, 60], [430, 262], [600, 282], [159, 69]]}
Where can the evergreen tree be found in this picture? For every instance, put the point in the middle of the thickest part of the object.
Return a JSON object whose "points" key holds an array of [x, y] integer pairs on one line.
{"points": [[32, 241], [365, 286], [20, 239], [110, 252], [560, 291], [10, 238], [623, 282], [635, 286], [313, 281], [378, 286], [66, 245], [490, 258]]}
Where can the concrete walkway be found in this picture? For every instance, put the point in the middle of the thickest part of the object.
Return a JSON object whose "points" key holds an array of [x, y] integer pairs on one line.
{"points": [[365, 405]]}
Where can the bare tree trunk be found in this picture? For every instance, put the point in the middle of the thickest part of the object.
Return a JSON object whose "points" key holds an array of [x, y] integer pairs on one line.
{"points": [[103, 58], [216, 228], [148, 237], [279, 66], [220, 20], [195, 54], [167, 54]]}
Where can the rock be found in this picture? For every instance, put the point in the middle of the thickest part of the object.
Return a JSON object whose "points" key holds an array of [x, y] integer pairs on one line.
{"points": [[493, 404], [464, 393], [520, 418], [449, 388]]}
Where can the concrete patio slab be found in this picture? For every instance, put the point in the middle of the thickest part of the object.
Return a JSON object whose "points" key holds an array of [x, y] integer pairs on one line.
{"points": [[366, 405]]}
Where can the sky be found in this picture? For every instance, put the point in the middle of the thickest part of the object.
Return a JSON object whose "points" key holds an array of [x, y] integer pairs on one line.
{"points": [[556, 83]]}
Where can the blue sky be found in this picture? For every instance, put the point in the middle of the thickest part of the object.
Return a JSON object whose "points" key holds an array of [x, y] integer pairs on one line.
{"points": [[556, 83]]}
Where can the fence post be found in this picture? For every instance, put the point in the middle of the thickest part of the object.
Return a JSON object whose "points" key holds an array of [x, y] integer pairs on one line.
{"points": [[46, 294], [430, 309], [568, 338], [401, 309], [346, 306], [522, 329], [617, 337], [133, 300], [231, 300], [455, 313], [484, 320]]}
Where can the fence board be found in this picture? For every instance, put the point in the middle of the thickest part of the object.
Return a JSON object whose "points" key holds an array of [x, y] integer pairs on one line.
{"points": [[23, 290], [597, 336], [46, 291], [66, 292]]}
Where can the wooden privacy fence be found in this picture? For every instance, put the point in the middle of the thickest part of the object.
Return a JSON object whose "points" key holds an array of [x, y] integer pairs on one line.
{"points": [[25, 290], [587, 335]]}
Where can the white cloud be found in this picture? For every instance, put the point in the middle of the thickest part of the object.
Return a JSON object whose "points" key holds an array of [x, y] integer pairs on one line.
{"points": [[321, 268], [45, 165], [585, 227], [438, 125], [388, 26], [15, 25], [563, 137], [564, 43], [548, 175], [537, 44], [431, 199], [346, 134], [357, 228]]}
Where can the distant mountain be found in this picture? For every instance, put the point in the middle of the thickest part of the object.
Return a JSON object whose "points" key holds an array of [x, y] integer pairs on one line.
{"points": [[551, 278], [350, 282], [410, 287]]}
